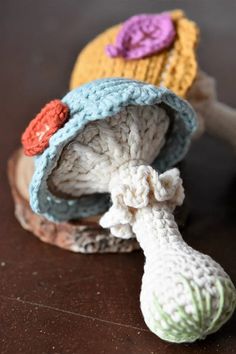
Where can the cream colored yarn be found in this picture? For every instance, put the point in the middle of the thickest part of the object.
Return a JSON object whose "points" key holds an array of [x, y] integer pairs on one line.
{"points": [[174, 67], [185, 295], [88, 162]]}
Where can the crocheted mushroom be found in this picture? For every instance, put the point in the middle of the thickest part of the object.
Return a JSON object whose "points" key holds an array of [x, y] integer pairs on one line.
{"points": [[159, 49], [120, 137]]}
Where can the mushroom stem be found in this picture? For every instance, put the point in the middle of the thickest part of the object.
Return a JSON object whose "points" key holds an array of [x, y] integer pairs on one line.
{"points": [[185, 294], [158, 223]]}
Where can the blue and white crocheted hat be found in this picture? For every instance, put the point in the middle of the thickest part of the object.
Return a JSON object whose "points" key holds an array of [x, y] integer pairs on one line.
{"points": [[94, 101]]}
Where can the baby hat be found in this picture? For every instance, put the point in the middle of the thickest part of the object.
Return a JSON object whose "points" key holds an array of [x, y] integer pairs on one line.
{"points": [[155, 48]]}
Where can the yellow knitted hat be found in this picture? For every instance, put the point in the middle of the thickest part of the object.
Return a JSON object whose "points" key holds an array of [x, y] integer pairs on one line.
{"points": [[174, 67]]}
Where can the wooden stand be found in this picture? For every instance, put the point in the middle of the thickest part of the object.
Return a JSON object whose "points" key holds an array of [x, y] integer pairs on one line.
{"points": [[84, 236]]}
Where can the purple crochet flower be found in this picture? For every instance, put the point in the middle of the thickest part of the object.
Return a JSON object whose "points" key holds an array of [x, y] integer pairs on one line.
{"points": [[143, 35]]}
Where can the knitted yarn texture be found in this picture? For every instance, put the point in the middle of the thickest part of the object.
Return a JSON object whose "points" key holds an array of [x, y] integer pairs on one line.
{"points": [[185, 295], [174, 67], [119, 127], [87, 164], [36, 137], [97, 101]]}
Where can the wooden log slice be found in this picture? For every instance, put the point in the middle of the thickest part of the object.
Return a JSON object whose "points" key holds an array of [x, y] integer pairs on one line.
{"points": [[85, 235]]}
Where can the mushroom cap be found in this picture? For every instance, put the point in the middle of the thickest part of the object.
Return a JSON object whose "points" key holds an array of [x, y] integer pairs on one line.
{"points": [[88, 164], [174, 67], [95, 101]]}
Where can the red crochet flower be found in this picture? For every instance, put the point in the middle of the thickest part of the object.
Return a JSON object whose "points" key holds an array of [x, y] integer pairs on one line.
{"points": [[36, 136]]}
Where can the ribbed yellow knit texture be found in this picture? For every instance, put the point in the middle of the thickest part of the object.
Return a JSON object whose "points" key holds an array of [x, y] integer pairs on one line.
{"points": [[174, 68]]}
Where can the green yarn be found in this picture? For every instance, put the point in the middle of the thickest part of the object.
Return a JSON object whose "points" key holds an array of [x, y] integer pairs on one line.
{"points": [[202, 322]]}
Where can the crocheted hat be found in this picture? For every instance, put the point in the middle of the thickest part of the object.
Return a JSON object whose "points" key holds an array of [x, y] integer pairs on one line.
{"points": [[157, 49], [96, 101]]}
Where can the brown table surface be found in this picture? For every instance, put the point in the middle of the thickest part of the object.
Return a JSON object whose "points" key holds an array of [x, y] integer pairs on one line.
{"points": [[54, 301]]}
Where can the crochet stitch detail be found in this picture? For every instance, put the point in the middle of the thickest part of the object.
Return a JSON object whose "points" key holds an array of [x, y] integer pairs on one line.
{"points": [[96, 101], [185, 294], [36, 136], [143, 35], [136, 187], [88, 162], [174, 68]]}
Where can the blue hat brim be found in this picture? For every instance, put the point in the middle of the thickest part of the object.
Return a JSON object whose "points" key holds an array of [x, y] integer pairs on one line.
{"points": [[98, 100]]}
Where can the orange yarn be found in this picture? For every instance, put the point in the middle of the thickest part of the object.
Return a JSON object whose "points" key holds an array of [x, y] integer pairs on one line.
{"points": [[36, 136], [174, 68]]}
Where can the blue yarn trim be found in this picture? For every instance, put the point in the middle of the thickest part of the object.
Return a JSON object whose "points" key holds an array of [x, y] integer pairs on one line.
{"points": [[98, 100]]}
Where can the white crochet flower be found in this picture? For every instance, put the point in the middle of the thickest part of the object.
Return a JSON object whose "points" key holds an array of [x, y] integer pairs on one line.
{"points": [[137, 187]]}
